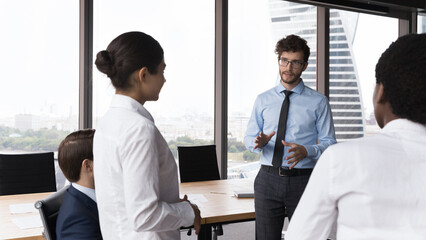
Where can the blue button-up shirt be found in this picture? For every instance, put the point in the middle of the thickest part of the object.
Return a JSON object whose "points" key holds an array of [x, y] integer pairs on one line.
{"points": [[309, 123]]}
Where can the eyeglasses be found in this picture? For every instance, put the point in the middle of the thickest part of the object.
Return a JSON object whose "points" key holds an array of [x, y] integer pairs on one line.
{"points": [[295, 63]]}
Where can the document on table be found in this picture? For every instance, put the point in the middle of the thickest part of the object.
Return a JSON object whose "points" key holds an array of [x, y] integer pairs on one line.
{"points": [[22, 208], [197, 199], [27, 222]]}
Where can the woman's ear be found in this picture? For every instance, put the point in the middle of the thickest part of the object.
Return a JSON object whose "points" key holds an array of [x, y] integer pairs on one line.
{"points": [[142, 74], [381, 96]]}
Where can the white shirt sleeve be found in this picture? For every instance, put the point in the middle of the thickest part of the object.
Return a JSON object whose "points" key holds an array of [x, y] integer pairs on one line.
{"points": [[141, 181], [317, 209]]}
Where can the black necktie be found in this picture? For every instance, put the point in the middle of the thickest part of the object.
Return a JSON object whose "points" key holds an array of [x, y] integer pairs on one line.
{"points": [[279, 147]]}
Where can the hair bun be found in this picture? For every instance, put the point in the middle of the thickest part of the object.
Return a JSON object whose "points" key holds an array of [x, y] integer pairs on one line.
{"points": [[105, 63]]}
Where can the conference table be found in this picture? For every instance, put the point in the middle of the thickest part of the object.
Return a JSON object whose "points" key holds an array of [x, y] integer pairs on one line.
{"points": [[8, 229], [222, 206], [215, 199]]}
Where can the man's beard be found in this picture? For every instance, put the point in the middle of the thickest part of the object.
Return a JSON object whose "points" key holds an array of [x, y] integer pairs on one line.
{"points": [[294, 78]]}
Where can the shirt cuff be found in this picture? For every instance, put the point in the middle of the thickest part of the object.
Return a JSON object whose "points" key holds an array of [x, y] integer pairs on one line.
{"points": [[188, 214], [310, 150]]}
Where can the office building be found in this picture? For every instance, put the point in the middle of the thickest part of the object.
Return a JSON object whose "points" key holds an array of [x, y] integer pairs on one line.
{"points": [[345, 95]]}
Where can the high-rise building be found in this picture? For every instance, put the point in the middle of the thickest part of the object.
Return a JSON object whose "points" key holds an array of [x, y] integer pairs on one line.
{"points": [[345, 95], [24, 122]]}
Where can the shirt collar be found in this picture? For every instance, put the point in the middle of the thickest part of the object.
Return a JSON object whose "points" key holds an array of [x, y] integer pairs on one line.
{"points": [[122, 101], [402, 124], [90, 192], [298, 89]]}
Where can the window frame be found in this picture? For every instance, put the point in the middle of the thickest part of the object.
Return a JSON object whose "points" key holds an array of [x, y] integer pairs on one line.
{"points": [[407, 24]]}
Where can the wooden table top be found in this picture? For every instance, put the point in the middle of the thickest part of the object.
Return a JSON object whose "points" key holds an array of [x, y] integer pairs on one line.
{"points": [[9, 230], [221, 206]]}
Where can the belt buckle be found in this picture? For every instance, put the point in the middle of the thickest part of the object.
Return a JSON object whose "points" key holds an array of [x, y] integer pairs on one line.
{"points": [[283, 173]]}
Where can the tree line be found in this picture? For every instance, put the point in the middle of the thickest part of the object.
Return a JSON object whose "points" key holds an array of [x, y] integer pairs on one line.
{"points": [[49, 139], [31, 140]]}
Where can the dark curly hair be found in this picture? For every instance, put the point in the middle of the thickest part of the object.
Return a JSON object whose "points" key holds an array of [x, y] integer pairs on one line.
{"points": [[293, 43], [76, 147], [402, 71], [127, 53]]}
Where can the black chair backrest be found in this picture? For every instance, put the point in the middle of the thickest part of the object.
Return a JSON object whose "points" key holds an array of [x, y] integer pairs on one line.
{"points": [[27, 173], [198, 163], [48, 209]]}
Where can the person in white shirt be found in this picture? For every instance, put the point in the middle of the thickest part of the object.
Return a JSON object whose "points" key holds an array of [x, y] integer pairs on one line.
{"points": [[375, 186], [135, 172]]}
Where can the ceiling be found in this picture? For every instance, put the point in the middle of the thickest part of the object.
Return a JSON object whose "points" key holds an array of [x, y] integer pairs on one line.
{"points": [[390, 8]]}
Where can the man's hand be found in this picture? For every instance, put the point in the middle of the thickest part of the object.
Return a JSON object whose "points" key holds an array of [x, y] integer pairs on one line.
{"points": [[262, 139], [197, 219], [299, 153]]}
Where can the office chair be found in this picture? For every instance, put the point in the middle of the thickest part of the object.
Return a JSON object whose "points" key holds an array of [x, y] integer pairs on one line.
{"points": [[48, 209], [199, 163], [27, 173]]}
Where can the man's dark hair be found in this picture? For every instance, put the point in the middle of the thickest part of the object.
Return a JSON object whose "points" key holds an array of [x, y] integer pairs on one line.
{"points": [[293, 43], [402, 72], [127, 53], [73, 150]]}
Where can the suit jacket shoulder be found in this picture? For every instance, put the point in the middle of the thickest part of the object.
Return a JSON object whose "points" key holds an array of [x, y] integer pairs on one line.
{"points": [[78, 217]]}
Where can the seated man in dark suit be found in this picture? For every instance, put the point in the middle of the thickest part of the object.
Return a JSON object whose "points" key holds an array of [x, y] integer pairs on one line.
{"points": [[78, 215]]}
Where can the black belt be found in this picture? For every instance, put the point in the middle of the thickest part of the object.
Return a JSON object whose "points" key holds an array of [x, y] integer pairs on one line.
{"points": [[286, 172]]}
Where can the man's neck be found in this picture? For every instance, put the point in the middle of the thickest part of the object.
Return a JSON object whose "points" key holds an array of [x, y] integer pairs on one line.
{"points": [[85, 183], [290, 86]]}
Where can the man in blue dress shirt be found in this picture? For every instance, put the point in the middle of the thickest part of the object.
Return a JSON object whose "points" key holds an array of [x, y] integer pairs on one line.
{"points": [[78, 216], [308, 132]]}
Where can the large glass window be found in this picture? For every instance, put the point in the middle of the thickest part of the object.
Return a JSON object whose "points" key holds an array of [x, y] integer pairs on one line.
{"points": [[421, 23], [185, 29], [363, 38], [39, 86], [254, 29]]}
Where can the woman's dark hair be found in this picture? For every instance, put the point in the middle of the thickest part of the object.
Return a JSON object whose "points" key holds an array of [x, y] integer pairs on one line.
{"points": [[402, 71], [293, 43], [73, 150], [127, 53]]}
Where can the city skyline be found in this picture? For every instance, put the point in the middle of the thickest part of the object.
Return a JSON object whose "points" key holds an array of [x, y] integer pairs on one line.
{"points": [[33, 93]]}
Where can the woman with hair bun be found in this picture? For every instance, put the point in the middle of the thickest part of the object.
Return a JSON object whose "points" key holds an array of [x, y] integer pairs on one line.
{"points": [[136, 175]]}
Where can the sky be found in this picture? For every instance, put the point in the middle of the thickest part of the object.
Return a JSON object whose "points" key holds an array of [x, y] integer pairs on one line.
{"points": [[38, 71], [373, 36], [187, 37], [40, 75]]}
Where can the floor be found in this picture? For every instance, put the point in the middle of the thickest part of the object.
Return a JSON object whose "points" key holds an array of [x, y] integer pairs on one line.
{"points": [[243, 231], [235, 231]]}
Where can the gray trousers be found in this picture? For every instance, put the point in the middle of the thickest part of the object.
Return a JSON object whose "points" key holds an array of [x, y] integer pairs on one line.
{"points": [[272, 196]]}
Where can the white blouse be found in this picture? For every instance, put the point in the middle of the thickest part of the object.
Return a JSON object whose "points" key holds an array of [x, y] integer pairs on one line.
{"points": [[375, 187], [136, 176]]}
